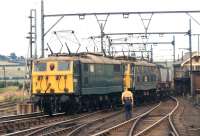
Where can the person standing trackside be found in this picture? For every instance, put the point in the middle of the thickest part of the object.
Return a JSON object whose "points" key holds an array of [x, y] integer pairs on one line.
{"points": [[127, 101]]}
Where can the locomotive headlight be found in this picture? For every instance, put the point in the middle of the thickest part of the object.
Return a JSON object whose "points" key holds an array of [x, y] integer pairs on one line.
{"points": [[39, 78], [38, 91], [58, 77], [52, 66], [52, 90], [66, 90], [75, 80]]}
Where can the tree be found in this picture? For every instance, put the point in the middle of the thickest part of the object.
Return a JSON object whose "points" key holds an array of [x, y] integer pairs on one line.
{"points": [[13, 56]]}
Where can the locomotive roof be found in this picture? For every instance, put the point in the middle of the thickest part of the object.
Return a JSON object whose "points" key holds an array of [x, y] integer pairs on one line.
{"points": [[92, 58], [88, 58], [144, 63]]}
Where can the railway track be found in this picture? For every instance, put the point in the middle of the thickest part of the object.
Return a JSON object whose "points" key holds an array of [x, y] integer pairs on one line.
{"points": [[8, 108], [8, 111], [187, 118], [14, 117], [85, 126], [91, 123], [146, 122], [95, 126], [69, 126], [17, 124], [46, 122], [7, 104]]}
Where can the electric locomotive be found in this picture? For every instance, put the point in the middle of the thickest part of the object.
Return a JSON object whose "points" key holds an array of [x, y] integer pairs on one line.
{"points": [[141, 78], [88, 81], [76, 83]]}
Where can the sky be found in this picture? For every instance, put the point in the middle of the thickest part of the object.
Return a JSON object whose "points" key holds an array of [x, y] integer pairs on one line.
{"points": [[14, 24]]}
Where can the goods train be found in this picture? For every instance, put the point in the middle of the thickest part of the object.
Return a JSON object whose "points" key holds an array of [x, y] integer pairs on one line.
{"points": [[88, 81]]}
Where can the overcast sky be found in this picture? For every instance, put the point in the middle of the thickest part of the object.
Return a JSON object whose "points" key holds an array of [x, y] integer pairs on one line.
{"points": [[14, 24]]}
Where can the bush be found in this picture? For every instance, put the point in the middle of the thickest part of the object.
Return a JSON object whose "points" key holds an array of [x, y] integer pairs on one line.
{"points": [[27, 85], [20, 86], [2, 85], [10, 83]]}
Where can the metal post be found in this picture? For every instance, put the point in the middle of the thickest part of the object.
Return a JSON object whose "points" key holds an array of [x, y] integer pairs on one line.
{"points": [[174, 58], [102, 27], [31, 48], [102, 35], [174, 49], [182, 56], [198, 45], [32, 32], [190, 50], [31, 37], [35, 25], [4, 75], [42, 29], [151, 53]]}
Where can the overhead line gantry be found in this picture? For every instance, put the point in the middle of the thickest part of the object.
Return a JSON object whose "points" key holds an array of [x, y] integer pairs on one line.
{"points": [[107, 14]]}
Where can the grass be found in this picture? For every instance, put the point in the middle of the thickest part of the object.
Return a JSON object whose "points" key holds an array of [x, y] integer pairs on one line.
{"points": [[12, 94], [10, 88]]}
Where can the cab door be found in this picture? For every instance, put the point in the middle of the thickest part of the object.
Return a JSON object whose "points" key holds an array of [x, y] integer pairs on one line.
{"points": [[128, 77], [132, 76], [77, 77]]}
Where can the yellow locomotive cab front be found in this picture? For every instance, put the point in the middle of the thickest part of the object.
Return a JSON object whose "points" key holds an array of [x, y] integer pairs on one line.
{"points": [[128, 76], [52, 77]]}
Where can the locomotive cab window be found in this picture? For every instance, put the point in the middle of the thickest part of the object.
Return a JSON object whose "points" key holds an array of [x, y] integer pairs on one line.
{"points": [[40, 67], [116, 68], [63, 65]]}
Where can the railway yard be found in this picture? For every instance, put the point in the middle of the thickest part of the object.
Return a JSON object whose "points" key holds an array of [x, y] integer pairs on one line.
{"points": [[123, 73], [173, 116]]}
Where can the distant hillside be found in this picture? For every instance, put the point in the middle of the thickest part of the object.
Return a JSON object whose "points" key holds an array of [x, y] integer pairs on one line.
{"points": [[12, 58], [4, 58]]}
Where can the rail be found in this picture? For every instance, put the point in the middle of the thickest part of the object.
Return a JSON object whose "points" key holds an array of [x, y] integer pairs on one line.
{"points": [[107, 131], [135, 120]]}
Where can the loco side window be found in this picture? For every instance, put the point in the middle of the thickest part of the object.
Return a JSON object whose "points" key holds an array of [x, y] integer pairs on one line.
{"points": [[125, 67], [40, 67], [116, 68], [132, 69], [91, 67], [85, 67], [63, 66], [138, 78]]}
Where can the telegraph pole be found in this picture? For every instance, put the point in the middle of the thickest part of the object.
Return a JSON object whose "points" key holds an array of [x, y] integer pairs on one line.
{"points": [[42, 29], [190, 50]]}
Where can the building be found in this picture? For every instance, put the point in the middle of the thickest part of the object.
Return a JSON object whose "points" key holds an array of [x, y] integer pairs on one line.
{"points": [[12, 71], [182, 72], [182, 66]]}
